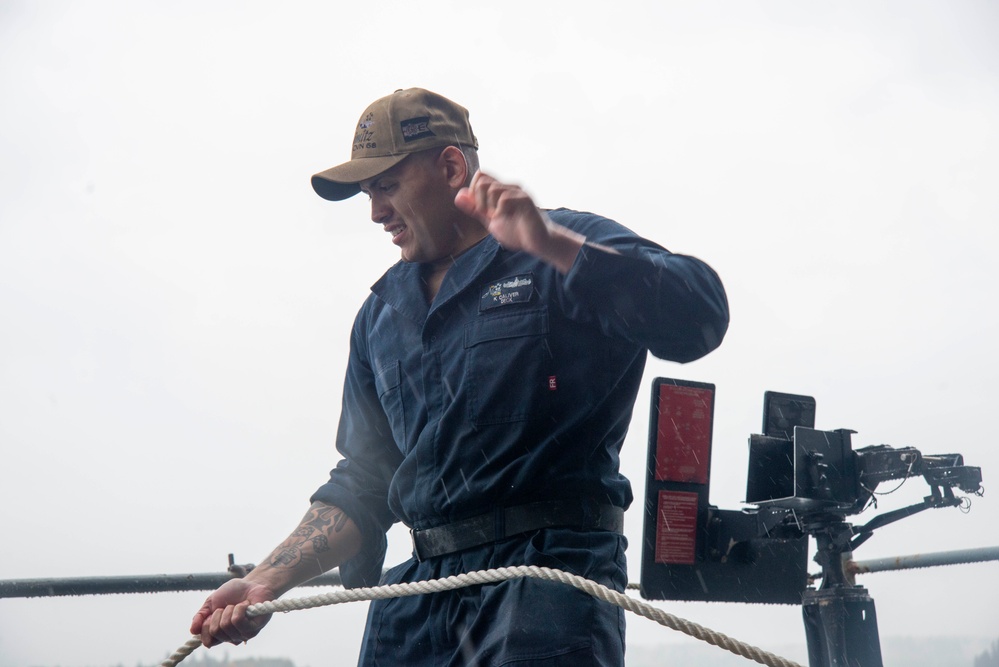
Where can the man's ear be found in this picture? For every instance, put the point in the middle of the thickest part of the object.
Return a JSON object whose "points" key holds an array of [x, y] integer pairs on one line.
{"points": [[456, 169]]}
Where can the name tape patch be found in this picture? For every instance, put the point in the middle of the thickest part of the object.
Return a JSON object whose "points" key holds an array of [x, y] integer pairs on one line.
{"points": [[515, 289]]}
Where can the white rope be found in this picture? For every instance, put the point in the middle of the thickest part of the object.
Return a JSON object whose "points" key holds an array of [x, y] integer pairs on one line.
{"points": [[594, 589]]}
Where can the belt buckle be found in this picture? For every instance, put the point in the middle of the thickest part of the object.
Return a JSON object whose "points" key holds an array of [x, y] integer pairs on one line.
{"points": [[416, 545]]}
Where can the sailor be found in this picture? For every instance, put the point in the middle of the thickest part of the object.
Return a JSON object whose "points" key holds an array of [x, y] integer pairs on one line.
{"points": [[490, 384]]}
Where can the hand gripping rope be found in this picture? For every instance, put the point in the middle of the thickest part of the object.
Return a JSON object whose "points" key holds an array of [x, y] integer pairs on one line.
{"points": [[598, 591]]}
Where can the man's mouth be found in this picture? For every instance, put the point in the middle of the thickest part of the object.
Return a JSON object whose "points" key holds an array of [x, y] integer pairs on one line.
{"points": [[395, 230]]}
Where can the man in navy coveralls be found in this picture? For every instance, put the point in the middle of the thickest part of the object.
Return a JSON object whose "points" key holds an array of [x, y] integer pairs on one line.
{"points": [[490, 385]]}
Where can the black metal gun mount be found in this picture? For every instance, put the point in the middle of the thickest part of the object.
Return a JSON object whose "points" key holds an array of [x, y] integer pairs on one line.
{"points": [[802, 483], [806, 482]]}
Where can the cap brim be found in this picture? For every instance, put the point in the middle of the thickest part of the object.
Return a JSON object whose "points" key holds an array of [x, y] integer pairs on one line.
{"points": [[341, 181]]}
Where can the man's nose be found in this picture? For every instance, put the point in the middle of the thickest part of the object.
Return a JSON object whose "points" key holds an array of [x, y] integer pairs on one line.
{"points": [[380, 211]]}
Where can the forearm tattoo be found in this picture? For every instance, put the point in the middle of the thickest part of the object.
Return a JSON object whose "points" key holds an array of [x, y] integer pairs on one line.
{"points": [[311, 537], [320, 544]]}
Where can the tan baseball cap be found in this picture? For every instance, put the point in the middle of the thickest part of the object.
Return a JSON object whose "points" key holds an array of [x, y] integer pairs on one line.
{"points": [[391, 128]]}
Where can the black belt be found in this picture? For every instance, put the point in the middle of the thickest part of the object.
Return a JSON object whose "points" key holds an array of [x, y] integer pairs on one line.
{"points": [[509, 521]]}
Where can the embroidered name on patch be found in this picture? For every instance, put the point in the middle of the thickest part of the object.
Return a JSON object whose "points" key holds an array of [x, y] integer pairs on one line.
{"points": [[516, 289], [416, 128]]}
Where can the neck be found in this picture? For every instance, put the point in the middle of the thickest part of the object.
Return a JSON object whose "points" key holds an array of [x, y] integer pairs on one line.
{"points": [[433, 272], [433, 276]]}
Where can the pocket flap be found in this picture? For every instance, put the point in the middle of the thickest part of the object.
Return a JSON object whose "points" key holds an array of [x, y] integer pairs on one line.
{"points": [[513, 325]]}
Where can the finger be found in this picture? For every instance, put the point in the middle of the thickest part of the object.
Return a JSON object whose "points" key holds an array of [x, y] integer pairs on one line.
{"points": [[512, 200], [502, 197], [486, 195], [225, 625], [199, 618], [465, 202], [247, 626], [478, 178], [238, 628], [469, 200], [227, 632], [207, 637], [480, 187], [216, 631]]}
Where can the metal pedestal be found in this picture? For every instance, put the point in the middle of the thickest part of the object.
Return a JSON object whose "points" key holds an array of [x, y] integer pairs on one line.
{"points": [[841, 627]]}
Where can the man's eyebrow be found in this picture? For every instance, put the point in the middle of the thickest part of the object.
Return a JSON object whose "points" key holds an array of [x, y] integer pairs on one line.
{"points": [[374, 184]]}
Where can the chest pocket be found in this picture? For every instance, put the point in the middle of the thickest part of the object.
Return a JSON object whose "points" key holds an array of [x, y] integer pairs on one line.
{"points": [[509, 365], [388, 384]]}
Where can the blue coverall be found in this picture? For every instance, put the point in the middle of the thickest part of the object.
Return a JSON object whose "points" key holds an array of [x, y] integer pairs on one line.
{"points": [[515, 385]]}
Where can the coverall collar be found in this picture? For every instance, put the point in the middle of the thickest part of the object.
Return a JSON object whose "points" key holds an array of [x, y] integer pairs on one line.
{"points": [[401, 286]]}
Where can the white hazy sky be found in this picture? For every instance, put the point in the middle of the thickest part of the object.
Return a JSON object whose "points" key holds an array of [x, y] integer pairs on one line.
{"points": [[175, 301]]}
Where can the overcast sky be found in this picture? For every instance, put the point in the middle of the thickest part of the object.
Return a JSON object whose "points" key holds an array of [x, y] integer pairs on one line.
{"points": [[175, 301]]}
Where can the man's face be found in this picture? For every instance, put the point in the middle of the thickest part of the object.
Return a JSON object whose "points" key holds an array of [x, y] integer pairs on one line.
{"points": [[414, 203]]}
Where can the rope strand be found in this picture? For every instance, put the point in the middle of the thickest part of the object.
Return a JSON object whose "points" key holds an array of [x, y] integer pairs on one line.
{"points": [[479, 577]]}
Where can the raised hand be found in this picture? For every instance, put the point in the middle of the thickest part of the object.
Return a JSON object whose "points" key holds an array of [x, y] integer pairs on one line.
{"points": [[512, 218]]}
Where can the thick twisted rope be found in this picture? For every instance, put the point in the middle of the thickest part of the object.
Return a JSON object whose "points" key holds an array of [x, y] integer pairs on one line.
{"points": [[592, 588]]}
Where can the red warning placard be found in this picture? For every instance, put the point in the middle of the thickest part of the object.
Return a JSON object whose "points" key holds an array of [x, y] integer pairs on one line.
{"points": [[683, 440], [676, 532]]}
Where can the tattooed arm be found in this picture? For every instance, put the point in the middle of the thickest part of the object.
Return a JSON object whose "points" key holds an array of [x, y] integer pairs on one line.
{"points": [[324, 539]]}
